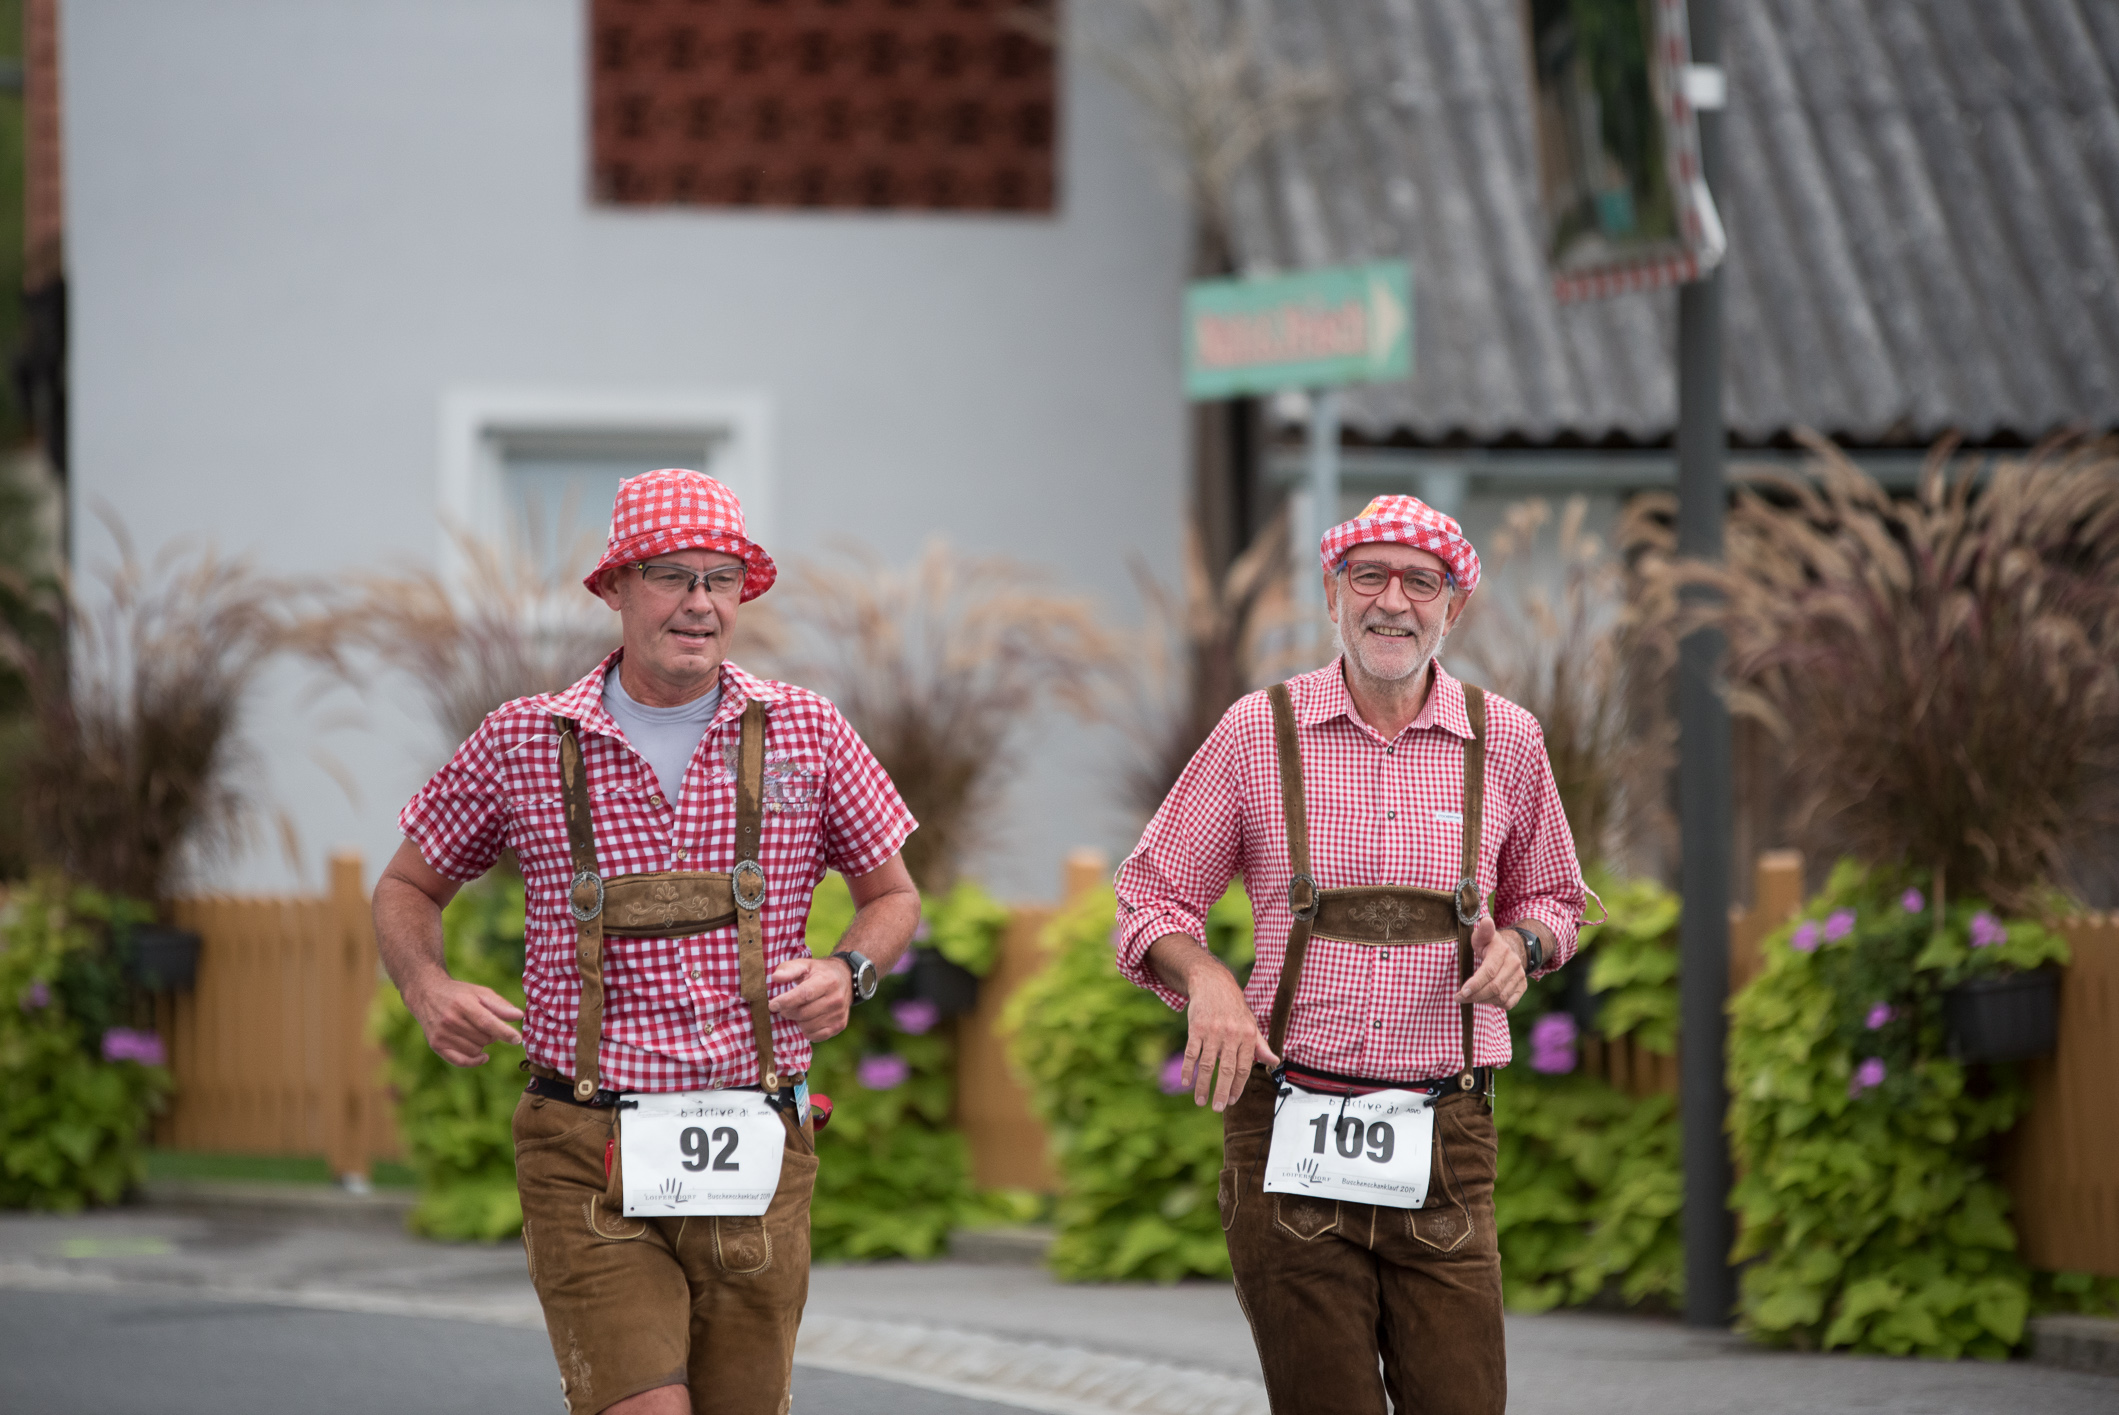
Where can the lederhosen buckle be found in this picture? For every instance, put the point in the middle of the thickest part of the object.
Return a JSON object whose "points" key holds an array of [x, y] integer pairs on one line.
{"points": [[1303, 881], [583, 913]]}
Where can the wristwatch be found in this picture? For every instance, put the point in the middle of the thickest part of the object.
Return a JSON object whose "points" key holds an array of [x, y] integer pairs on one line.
{"points": [[865, 980], [1533, 949]]}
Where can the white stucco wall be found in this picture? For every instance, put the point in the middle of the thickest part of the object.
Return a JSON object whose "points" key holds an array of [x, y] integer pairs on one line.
{"points": [[295, 230]]}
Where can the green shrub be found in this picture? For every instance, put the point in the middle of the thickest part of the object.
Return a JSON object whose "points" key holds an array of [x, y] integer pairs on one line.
{"points": [[79, 1090], [1139, 1167], [894, 1178], [1870, 1220], [1589, 1179], [454, 1120]]}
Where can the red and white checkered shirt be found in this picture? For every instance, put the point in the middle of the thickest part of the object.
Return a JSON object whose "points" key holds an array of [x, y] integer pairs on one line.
{"points": [[674, 1018], [1380, 812]]}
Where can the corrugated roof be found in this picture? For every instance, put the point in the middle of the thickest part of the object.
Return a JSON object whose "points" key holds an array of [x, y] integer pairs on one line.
{"points": [[1922, 199]]}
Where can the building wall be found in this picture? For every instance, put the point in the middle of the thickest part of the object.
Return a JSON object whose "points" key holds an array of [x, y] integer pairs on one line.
{"points": [[296, 232]]}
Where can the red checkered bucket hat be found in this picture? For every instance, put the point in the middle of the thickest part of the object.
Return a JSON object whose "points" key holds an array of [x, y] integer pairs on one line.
{"points": [[672, 509], [1409, 521]]}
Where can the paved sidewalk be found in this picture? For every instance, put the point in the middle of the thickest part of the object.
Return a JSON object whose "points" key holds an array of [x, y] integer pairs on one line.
{"points": [[967, 1333]]}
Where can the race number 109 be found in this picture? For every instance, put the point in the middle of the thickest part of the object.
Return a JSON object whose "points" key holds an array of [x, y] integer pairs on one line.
{"points": [[1352, 1138]]}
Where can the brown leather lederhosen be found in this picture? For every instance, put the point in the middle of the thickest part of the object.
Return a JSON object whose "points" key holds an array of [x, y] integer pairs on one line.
{"points": [[1376, 916], [667, 903]]}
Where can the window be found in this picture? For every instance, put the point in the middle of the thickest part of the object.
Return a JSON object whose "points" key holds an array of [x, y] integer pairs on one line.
{"points": [[537, 471]]}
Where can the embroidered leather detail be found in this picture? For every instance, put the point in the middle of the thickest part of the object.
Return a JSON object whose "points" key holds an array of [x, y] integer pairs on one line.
{"points": [[1386, 916], [1445, 1227], [1306, 1218], [741, 1244]]}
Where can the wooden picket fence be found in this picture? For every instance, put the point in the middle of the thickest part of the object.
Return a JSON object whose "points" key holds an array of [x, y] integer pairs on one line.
{"points": [[2062, 1162], [270, 1050]]}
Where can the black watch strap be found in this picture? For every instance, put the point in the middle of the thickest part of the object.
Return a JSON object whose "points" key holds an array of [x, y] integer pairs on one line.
{"points": [[1533, 949], [858, 964]]}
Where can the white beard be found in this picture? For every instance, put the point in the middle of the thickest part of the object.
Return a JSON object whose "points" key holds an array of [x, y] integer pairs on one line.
{"points": [[1362, 665]]}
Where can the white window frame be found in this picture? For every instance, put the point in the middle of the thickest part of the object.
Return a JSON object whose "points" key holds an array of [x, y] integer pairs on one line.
{"points": [[733, 428]]}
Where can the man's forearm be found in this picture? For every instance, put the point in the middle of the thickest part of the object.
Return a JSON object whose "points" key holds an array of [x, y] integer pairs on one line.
{"points": [[1180, 959], [408, 935], [882, 929]]}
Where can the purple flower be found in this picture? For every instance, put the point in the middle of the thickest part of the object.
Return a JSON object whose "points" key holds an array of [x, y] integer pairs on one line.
{"points": [[36, 995], [1804, 939], [1172, 1079], [1912, 901], [882, 1072], [1988, 931], [1880, 1014], [125, 1044], [903, 965], [1867, 1076], [1552, 1044], [1839, 925], [915, 1015]]}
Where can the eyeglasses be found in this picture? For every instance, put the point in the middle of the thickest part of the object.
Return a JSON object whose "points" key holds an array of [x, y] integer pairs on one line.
{"points": [[1370, 579], [676, 581]]}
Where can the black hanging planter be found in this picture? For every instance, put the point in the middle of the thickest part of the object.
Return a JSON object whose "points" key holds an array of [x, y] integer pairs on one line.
{"points": [[953, 990], [2008, 1017], [163, 959], [1584, 1006]]}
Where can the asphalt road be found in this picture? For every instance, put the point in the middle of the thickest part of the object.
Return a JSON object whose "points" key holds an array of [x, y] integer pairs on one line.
{"points": [[104, 1354]]}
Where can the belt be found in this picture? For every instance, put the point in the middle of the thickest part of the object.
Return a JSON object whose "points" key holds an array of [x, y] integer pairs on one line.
{"points": [[564, 1091], [1331, 1083], [558, 1088]]}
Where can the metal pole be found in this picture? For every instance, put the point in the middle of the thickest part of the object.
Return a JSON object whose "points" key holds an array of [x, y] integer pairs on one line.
{"points": [[1323, 497], [1704, 812]]}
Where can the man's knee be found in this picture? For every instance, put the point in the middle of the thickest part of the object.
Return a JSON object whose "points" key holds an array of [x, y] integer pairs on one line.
{"points": [[662, 1400]]}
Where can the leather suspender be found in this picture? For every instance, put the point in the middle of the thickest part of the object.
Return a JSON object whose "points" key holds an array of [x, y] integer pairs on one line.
{"points": [[1302, 885], [586, 896], [1468, 901], [1304, 896], [585, 901], [749, 881]]}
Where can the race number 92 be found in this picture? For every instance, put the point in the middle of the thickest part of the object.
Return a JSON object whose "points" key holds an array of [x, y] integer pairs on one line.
{"points": [[695, 1144], [1353, 1139]]}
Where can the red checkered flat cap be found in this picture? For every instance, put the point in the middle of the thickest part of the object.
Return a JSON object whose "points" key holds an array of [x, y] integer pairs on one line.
{"points": [[1409, 521], [672, 509]]}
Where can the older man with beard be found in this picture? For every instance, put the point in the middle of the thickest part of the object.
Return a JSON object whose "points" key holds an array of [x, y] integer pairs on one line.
{"points": [[1373, 809]]}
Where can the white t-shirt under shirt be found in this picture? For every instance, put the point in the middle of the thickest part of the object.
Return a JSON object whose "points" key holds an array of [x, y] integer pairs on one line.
{"points": [[666, 736]]}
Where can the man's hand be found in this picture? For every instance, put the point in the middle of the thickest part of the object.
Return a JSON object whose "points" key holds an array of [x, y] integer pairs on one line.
{"points": [[462, 1019], [1221, 1035], [821, 999], [1498, 978]]}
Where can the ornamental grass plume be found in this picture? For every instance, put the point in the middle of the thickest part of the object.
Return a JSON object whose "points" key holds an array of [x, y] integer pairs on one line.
{"points": [[1573, 654], [1202, 646], [133, 763], [506, 627], [1943, 669], [938, 666]]}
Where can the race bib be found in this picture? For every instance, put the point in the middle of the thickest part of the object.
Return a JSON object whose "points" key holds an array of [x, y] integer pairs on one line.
{"points": [[699, 1152], [1373, 1149]]}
